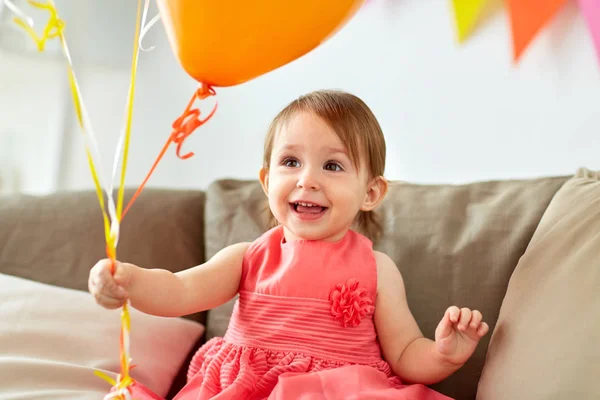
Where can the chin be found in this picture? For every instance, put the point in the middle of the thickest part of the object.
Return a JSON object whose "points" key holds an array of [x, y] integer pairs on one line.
{"points": [[306, 232], [313, 233]]}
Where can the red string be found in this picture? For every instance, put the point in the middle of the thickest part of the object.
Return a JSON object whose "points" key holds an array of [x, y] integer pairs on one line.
{"points": [[113, 265], [190, 121], [183, 127]]}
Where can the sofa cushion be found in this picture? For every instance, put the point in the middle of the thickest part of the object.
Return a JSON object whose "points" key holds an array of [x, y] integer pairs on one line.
{"points": [[454, 244], [236, 211], [545, 345], [52, 339], [56, 239]]}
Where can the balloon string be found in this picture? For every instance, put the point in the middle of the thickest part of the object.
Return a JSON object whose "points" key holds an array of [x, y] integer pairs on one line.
{"points": [[124, 380], [52, 29], [183, 127]]}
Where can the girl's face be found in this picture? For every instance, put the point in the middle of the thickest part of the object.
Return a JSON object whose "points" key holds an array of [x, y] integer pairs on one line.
{"points": [[314, 190]]}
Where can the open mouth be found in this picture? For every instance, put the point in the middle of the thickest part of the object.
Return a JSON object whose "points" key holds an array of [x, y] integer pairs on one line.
{"points": [[308, 210]]}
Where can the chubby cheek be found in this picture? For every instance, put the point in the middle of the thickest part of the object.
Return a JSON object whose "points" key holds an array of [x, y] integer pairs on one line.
{"points": [[347, 197], [278, 200], [279, 192]]}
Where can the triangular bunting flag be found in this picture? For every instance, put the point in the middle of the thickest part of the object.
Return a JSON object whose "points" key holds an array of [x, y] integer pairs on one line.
{"points": [[591, 11], [466, 15], [527, 17]]}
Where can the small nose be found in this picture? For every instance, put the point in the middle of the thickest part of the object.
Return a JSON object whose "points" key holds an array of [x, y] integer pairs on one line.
{"points": [[308, 181]]}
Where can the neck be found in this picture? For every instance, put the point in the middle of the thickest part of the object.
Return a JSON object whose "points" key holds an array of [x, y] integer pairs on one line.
{"points": [[292, 237]]}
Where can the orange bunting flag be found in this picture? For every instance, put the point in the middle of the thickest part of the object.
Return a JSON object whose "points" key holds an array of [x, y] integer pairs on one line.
{"points": [[527, 17], [466, 16], [591, 12]]}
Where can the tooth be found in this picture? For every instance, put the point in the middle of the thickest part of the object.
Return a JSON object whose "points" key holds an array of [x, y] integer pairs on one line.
{"points": [[305, 204]]}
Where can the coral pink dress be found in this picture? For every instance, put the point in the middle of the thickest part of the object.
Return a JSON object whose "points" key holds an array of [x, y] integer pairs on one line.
{"points": [[302, 328]]}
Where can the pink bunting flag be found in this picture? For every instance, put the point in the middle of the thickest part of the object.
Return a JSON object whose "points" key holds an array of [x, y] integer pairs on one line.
{"points": [[591, 12]]}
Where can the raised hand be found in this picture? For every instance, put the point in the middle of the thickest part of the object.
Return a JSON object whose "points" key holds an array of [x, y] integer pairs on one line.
{"points": [[458, 334]]}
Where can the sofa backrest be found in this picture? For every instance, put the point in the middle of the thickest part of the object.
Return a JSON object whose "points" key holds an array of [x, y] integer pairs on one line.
{"points": [[454, 245], [56, 239]]}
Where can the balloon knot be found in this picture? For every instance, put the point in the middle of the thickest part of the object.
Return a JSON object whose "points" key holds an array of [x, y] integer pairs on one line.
{"points": [[205, 91]]}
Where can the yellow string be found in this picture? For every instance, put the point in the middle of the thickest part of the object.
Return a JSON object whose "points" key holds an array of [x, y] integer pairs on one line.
{"points": [[54, 28], [105, 377], [129, 112], [126, 380]]}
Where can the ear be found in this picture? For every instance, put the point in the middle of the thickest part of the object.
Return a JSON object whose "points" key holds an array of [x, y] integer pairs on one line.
{"points": [[264, 179], [376, 192]]}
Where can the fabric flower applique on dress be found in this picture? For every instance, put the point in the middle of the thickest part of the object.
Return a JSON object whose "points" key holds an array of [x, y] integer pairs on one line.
{"points": [[350, 303]]}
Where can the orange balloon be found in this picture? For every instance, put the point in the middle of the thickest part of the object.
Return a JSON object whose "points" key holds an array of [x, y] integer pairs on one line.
{"points": [[227, 42]]}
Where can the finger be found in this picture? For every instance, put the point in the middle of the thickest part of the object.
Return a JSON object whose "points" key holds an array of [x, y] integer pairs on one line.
{"points": [[90, 282], [444, 327], [96, 284], [465, 318], [121, 275], [96, 270], [107, 281], [454, 313], [101, 265], [483, 329], [106, 285], [104, 271], [108, 301], [476, 319], [117, 293]]}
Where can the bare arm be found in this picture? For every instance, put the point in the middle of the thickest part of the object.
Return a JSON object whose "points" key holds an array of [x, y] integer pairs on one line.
{"points": [[163, 293], [412, 357]]}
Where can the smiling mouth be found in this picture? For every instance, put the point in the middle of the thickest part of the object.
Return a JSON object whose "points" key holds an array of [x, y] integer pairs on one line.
{"points": [[308, 210]]}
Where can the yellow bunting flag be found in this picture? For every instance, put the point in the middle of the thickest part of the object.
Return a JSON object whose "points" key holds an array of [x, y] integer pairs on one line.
{"points": [[466, 16], [527, 18]]}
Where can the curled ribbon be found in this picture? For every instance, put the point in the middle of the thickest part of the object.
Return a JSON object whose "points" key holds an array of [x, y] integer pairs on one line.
{"points": [[183, 127], [190, 120], [53, 28], [120, 386], [147, 27]]}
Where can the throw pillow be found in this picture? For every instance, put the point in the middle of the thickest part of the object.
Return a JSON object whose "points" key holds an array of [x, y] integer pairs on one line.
{"points": [[545, 344], [53, 338]]}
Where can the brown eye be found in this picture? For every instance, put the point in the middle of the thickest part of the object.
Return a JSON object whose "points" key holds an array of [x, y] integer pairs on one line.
{"points": [[333, 166], [291, 163]]}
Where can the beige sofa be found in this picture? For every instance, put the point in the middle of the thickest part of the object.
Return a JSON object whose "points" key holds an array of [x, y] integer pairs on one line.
{"points": [[524, 252]]}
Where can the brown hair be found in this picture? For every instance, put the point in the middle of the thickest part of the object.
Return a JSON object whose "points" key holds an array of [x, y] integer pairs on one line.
{"points": [[358, 129]]}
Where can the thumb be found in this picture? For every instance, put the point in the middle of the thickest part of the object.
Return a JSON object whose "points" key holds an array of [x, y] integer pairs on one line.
{"points": [[444, 328], [122, 274]]}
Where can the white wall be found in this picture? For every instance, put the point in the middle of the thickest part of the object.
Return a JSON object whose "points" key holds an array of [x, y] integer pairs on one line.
{"points": [[450, 113], [30, 122]]}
